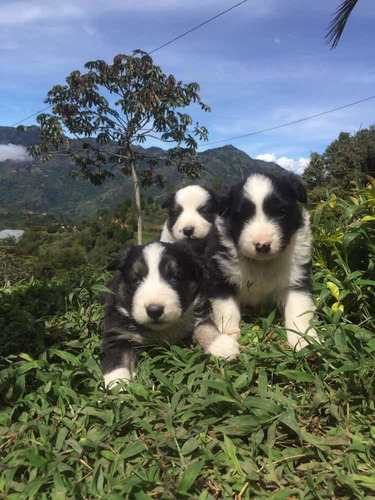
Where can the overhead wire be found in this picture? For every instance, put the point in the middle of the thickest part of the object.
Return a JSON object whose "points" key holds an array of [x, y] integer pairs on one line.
{"points": [[288, 123], [155, 50]]}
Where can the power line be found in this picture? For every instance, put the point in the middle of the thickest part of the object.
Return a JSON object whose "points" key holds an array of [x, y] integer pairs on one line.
{"points": [[199, 26], [37, 113], [289, 123], [154, 50]]}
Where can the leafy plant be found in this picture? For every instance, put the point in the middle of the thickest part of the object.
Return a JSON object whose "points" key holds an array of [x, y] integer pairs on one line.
{"points": [[142, 102], [275, 424]]}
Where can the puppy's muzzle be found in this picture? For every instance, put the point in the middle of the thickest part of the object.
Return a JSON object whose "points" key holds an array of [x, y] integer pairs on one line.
{"points": [[154, 311], [261, 247], [188, 231]]}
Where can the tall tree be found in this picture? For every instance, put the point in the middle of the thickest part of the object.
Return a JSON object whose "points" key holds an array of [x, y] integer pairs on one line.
{"points": [[337, 25], [111, 110], [348, 158]]}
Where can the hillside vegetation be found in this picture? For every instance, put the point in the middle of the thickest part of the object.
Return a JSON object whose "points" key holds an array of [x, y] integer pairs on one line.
{"points": [[49, 187], [275, 424]]}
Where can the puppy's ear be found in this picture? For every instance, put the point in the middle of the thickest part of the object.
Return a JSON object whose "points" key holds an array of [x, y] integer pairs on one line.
{"points": [[215, 197], [119, 262], [168, 201], [297, 187]]}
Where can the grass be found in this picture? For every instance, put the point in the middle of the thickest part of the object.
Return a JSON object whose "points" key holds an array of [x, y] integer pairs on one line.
{"points": [[273, 425]]}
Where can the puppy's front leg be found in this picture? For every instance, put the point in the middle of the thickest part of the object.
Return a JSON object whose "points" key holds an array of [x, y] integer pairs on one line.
{"points": [[214, 342], [226, 315], [299, 311], [119, 361]]}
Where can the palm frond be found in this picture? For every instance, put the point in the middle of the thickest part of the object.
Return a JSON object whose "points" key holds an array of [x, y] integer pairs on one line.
{"points": [[338, 23]]}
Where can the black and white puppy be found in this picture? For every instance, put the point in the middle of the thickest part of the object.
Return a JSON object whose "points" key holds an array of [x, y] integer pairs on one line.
{"points": [[272, 235], [156, 300], [194, 217]]}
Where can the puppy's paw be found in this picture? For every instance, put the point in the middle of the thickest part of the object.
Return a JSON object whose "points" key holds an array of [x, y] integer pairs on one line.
{"points": [[224, 346], [235, 334], [113, 378]]}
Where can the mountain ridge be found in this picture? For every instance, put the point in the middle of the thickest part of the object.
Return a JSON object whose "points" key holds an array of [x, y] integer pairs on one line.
{"points": [[49, 187]]}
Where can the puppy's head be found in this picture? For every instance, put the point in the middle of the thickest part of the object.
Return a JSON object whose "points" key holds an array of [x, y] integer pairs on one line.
{"points": [[191, 212], [158, 283], [264, 214]]}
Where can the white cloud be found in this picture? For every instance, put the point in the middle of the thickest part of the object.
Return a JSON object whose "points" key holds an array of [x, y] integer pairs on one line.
{"points": [[296, 166], [13, 152], [20, 12]]}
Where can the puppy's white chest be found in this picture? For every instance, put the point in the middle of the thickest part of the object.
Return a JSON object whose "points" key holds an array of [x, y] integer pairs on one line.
{"points": [[261, 282]]}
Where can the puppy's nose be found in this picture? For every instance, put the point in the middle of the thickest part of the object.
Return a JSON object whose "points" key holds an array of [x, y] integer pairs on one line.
{"points": [[263, 247], [155, 312], [188, 231]]}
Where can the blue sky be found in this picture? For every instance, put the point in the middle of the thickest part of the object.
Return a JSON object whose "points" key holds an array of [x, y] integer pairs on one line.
{"points": [[263, 64]]}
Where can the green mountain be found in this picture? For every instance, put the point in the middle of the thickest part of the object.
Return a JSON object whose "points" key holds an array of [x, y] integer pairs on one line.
{"points": [[50, 188]]}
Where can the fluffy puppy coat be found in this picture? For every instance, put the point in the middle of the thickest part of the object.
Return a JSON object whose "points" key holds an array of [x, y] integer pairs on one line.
{"points": [[193, 217], [272, 236], [157, 300]]}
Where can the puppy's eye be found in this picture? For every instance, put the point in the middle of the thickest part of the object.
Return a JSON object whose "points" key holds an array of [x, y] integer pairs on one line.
{"points": [[137, 281], [172, 279]]}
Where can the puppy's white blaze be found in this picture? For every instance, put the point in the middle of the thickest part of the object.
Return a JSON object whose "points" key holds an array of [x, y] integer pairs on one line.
{"points": [[191, 199], [224, 347], [299, 310], [154, 290], [227, 316], [260, 229], [256, 188], [116, 376]]}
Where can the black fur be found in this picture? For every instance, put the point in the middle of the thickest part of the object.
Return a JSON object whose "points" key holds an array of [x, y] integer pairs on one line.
{"points": [[123, 336]]}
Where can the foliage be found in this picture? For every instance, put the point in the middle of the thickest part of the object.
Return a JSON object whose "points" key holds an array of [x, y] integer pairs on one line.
{"points": [[48, 249], [146, 105], [273, 425], [48, 190], [348, 158], [345, 253], [338, 23]]}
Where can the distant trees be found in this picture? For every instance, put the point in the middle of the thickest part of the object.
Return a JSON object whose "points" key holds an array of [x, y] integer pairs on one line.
{"points": [[112, 109], [348, 158]]}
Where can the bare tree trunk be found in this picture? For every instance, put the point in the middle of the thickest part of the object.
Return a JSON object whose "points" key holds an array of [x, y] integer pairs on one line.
{"points": [[138, 207]]}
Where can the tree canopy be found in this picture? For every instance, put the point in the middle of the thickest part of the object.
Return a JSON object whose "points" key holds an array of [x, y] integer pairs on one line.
{"points": [[348, 158], [112, 109]]}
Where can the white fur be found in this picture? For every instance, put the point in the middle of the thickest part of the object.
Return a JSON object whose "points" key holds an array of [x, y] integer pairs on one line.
{"points": [[263, 282], [224, 347], [272, 281], [259, 229], [190, 199], [155, 291], [166, 236], [114, 377], [226, 316], [215, 343], [299, 311], [123, 311]]}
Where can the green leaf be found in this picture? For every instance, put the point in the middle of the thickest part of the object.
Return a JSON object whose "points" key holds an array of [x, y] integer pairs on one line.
{"points": [[189, 476], [132, 450], [231, 450], [334, 289], [297, 375]]}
